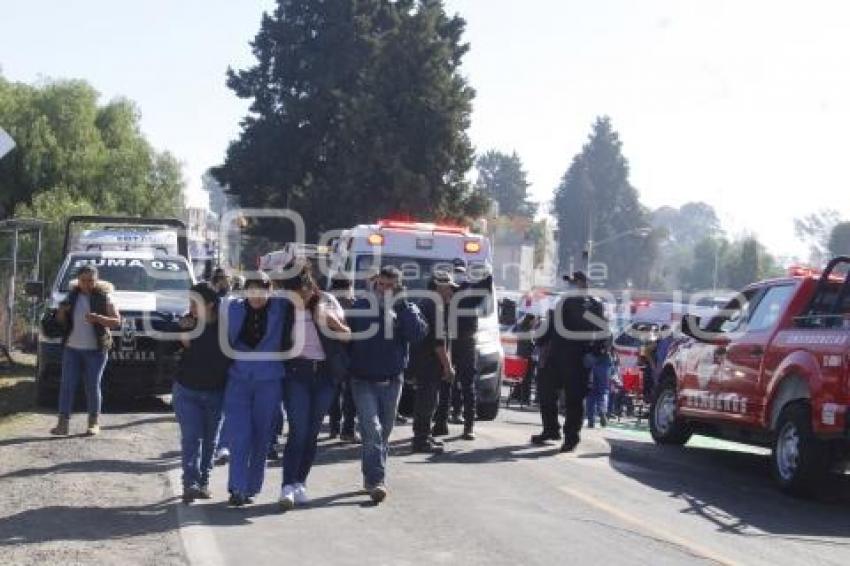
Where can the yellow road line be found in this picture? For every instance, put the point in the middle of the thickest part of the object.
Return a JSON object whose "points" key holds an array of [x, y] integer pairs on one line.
{"points": [[643, 526]]}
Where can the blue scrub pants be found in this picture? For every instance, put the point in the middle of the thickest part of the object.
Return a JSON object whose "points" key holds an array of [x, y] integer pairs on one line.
{"points": [[250, 406]]}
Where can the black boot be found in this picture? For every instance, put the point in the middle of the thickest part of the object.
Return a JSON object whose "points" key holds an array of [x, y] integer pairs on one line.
{"points": [[427, 446], [468, 433], [545, 437], [440, 428], [569, 445]]}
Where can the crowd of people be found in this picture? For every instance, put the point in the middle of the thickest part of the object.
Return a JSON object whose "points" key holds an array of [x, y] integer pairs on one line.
{"points": [[284, 346]]}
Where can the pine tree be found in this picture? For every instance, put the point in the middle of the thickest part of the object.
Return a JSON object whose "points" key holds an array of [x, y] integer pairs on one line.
{"points": [[839, 239], [595, 201], [502, 178], [359, 110]]}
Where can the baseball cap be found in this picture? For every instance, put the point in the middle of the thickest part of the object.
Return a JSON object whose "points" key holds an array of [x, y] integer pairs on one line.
{"points": [[576, 276], [441, 277]]}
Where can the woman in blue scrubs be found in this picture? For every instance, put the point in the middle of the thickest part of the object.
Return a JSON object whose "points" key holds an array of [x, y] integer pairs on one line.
{"points": [[253, 396]]}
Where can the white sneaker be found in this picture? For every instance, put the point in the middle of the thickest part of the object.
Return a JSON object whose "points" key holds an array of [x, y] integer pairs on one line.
{"points": [[222, 456], [287, 498], [301, 497]]}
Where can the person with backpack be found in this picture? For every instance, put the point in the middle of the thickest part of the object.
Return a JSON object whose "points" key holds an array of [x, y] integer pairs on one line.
{"points": [[574, 326]]}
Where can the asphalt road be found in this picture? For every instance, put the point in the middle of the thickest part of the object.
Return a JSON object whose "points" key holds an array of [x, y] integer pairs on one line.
{"points": [[619, 500]]}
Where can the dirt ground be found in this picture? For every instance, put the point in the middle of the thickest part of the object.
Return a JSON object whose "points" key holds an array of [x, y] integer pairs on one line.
{"points": [[81, 500]]}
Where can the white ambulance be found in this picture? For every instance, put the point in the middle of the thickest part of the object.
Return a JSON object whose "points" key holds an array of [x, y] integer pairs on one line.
{"points": [[417, 249]]}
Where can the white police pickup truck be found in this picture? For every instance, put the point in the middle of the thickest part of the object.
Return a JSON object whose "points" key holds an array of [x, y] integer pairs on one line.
{"points": [[145, 261]]}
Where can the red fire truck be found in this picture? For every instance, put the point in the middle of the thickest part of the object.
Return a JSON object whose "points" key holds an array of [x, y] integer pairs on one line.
{"points": [[772, 368]]}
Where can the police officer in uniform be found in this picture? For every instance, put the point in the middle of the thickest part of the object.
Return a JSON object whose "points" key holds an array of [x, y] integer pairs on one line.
{"points": [[431, 363], [572, 333], [463, 330]]}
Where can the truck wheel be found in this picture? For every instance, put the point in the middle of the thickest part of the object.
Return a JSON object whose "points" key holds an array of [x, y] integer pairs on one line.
{"points": [[799, 460], [664, 423], [487, 411]]}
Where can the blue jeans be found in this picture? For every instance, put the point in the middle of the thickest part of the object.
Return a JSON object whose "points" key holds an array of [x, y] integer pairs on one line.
{"points": [[307, 396], [596, 403], [88, 364], [249, 407], [199, 415], [377, 405]]}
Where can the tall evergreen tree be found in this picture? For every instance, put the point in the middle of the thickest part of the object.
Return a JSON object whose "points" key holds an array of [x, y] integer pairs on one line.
{"points": [[358, 103], [706, 261], [839, 239], [595, 201], [815, 229], [502, 178]]}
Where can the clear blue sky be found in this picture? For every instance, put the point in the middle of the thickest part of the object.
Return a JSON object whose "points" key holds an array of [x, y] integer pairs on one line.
{"points": [[741, 104]]}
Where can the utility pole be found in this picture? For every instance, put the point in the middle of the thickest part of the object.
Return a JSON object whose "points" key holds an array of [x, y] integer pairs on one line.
{"points": [[716, 261]]}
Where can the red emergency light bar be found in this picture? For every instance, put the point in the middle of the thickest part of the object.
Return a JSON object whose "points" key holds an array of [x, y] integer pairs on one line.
{"points": [[641, 304], [802, 271], [422, 226]]}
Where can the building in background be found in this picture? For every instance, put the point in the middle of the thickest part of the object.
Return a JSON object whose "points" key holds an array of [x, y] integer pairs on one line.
{"points": [[228, 252], [513, 265], [546, 255], [202, 234], [524, 253]]}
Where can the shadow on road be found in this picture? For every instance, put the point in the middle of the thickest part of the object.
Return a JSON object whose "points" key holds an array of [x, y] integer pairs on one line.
{"points": [[220, 514], [137, 405], [166, 462], [139, 422], [29, 440], [734, 491], [15, 441], [91, 523], [17, 397], [494, 455]]}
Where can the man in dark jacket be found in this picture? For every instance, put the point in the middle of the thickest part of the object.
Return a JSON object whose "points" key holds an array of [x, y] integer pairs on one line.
{"points": [[430, 361], [383, 327], [471, 296], [572, 333]]}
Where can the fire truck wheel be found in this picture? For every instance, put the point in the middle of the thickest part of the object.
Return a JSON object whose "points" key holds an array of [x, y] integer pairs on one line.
{"points": [[799, 460], [665, 425]]}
